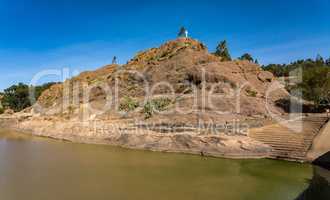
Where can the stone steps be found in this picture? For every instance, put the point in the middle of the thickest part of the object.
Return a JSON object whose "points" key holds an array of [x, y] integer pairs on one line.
{"points": [[288, 144]]}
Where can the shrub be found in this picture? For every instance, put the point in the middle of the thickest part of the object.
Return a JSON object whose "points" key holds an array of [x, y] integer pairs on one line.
{"points": [[148, 110], [71, 109], [128, 104], [157, 105], [2, 110], [251, 93]]}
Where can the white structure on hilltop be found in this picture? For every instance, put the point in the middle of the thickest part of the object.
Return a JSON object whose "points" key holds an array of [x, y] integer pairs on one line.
{"points": [[186, 33]]}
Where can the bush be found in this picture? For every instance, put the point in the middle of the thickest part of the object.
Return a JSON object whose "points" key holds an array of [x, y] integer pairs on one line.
{"points": [[251, 93], [247, 57], [155, 105], [148, 110], [128, 104], [2, 110]]}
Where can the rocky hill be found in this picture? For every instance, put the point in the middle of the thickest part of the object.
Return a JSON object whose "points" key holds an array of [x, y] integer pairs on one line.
{"points": [[182, 76], [171, 98]]}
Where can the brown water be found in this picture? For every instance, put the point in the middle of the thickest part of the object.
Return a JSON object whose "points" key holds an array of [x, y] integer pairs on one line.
{"points": [[41, 169]]}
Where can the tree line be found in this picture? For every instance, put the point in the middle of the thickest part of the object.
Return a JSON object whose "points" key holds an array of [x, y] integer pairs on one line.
{"points": [[17, 97], [315, 79], [283, 70], [222, 51], [315, 76]]}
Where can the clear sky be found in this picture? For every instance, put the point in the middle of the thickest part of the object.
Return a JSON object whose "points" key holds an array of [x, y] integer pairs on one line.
{"points": [[86, 34]]}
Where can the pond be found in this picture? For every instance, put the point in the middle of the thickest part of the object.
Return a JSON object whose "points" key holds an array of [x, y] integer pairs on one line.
{"points": [[33, 168]]}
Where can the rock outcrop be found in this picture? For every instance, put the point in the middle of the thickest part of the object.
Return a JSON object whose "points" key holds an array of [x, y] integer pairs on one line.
{"points": [[180, 69]]}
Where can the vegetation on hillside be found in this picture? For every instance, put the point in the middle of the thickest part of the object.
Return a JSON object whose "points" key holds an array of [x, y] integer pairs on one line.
{"points": [[155, 105], [17, 97], [2, 110], [283, 70], [249, 58], [315, 83], [222, 51], [128, 104]]}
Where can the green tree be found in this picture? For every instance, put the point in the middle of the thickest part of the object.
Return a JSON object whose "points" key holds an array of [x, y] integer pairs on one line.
{"points": [[284, 70], [1, 107], [247, 57], [256, 61], [222, 51], [182, 32], [319, 59], [17, 97], [315, 85], [327, 62]]}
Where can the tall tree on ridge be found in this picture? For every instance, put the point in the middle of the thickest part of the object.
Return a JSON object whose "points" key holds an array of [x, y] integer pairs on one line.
{"points": [[183, 33], [327, 62], [247, 57], [222, 51], [256, 61], [319, 59]]}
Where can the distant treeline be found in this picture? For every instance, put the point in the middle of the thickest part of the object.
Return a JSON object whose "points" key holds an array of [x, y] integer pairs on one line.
{"points": [[315, 82], [281, 70], [17, 96]]}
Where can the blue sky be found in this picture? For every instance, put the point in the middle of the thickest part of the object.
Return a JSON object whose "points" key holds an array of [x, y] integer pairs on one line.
{"points": [[83, 35]]}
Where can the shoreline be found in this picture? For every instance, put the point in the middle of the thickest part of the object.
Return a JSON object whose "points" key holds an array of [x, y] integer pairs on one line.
{"points": [[231, 147]]}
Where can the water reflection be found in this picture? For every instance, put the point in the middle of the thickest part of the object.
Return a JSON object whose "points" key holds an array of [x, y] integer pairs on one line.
{"points": [[319, 188]]}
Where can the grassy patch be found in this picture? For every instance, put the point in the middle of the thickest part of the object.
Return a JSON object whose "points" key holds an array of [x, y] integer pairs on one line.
{"points": [[251, 93], [128, 104], [155, 105]]}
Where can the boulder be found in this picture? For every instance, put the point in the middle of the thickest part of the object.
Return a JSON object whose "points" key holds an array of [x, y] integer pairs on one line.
{"points": [[265, 76]]}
